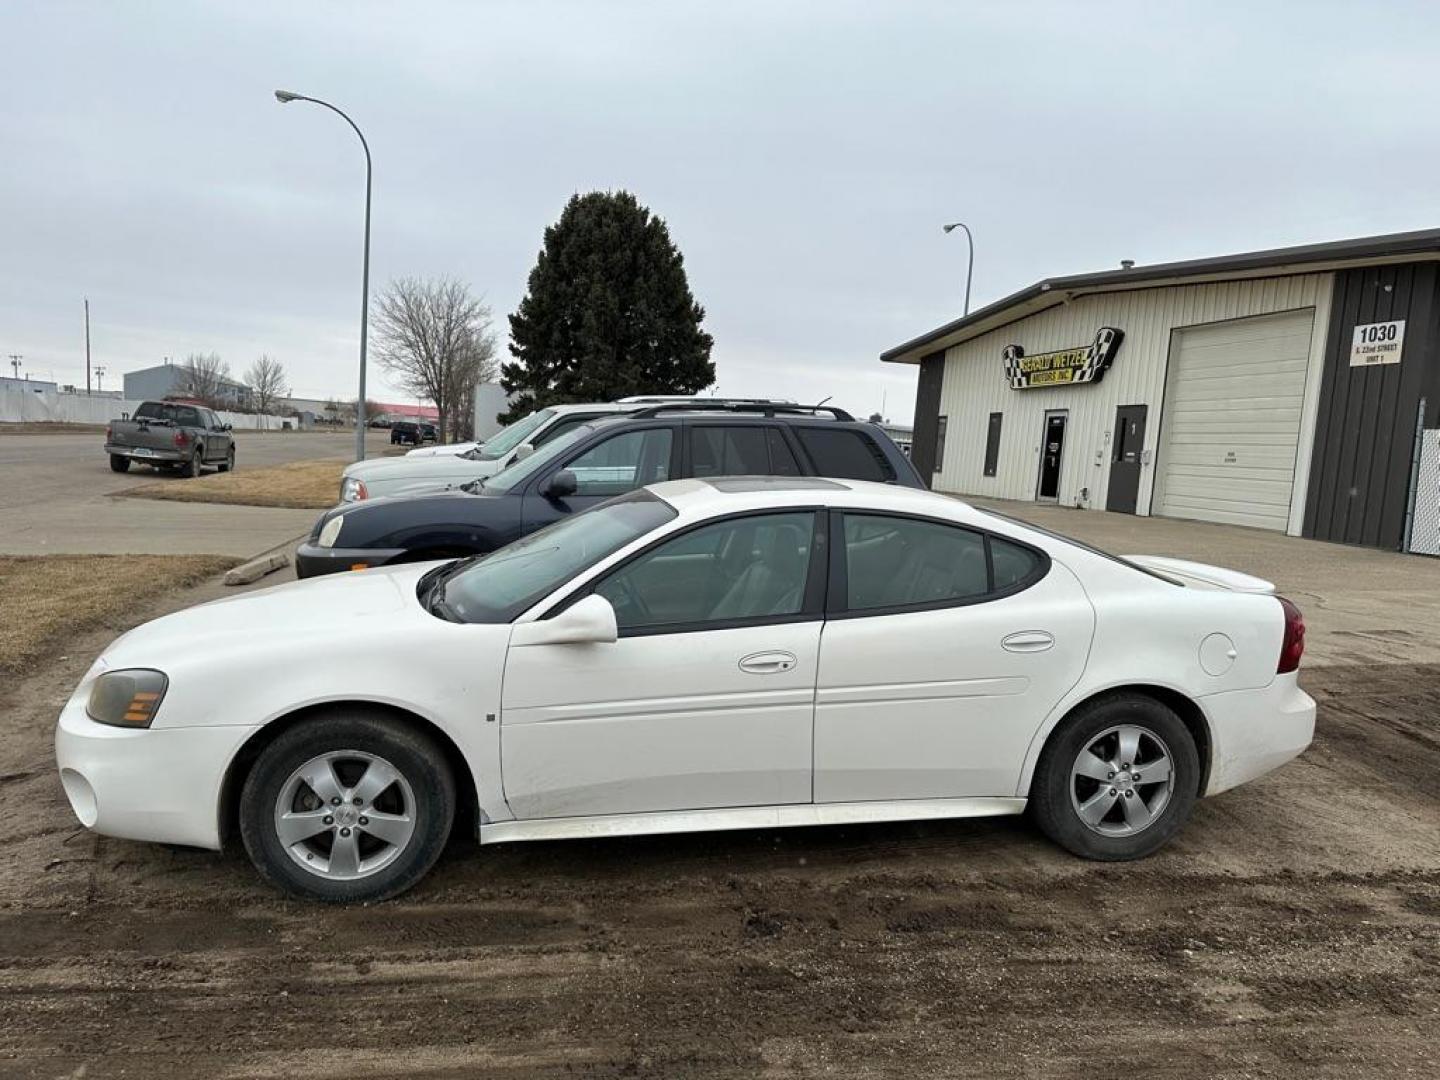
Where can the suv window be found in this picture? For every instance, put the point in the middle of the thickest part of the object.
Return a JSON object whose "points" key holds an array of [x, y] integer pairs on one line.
{"points": [[751, 567], [899, 562], [738, 451], [561, 426], [845, 453], [623, 462]]}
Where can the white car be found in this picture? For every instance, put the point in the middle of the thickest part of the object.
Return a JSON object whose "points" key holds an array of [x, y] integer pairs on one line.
{"points": [[414, 474], [696, 655]]}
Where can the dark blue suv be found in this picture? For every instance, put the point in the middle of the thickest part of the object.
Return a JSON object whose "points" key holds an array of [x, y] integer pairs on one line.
{"points": [[595, 462]]}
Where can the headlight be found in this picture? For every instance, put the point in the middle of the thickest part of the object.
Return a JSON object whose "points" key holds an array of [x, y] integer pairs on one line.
{"points": [[128, 698], [352, 490], [331, 532]]}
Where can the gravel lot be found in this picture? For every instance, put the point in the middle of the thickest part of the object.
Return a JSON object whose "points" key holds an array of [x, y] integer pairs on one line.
{"points": [[1294, 931]]}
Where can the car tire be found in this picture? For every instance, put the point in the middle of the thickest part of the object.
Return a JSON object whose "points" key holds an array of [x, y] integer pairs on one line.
{"points": [[337, 750], [192, 468], [228, 465], [119, 463], [1110, 808]]}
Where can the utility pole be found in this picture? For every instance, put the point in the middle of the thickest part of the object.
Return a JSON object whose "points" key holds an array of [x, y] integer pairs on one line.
{"points": [[15, 359], [100, 379], [87, 345]]}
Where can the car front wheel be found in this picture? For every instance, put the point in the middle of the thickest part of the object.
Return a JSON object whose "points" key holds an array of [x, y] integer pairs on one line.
{"points": [[228, 465], [1117, 779], [348, 806]]}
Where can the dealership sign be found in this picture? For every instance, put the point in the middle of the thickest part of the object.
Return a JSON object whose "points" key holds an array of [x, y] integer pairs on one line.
{"points": [[1082, 364], [1377, 343]]}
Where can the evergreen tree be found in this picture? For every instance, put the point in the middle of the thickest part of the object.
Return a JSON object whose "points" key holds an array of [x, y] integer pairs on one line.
{"points": [[608, 312]]}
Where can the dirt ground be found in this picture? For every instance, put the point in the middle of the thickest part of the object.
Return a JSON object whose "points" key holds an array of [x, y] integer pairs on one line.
{"points": [[1293, 931]]}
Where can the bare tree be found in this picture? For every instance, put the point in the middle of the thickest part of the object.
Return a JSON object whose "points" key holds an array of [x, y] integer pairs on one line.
{"points": [[202, 377], [268, 384], [436, 340]]}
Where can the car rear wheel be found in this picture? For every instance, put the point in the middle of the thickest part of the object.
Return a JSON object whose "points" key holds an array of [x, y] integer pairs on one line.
{"points": [[192, 467], [348, 806], [1117, 779], [228, 465], [119, 463]]}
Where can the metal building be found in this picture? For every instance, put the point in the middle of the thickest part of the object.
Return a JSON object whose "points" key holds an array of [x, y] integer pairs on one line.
{"points": [[1287, 389]]}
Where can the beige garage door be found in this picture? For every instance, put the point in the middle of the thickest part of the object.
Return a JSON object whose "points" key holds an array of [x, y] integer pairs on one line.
{"points": [[1231, 420]]}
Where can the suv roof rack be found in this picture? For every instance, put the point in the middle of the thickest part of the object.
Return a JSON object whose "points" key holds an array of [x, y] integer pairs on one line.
{"points": [[686, 399], [762, 408]]}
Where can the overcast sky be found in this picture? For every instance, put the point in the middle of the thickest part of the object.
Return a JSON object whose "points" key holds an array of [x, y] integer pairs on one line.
{"points": [[804, 155]]}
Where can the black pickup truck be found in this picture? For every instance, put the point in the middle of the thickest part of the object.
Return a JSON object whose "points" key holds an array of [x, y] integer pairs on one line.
{"points": [[171, 435]]}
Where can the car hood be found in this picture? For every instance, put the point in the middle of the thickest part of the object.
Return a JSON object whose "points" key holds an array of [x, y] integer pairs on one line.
{"points": [[448, 450], [442, 468], [301, 610]]}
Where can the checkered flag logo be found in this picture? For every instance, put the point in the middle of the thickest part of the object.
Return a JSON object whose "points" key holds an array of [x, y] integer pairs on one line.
{"points": [[1012, 355], [1107, 339]]}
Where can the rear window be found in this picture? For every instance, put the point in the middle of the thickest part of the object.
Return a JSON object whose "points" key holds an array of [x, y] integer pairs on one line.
{"points": [[184, 415], [847, 454]]}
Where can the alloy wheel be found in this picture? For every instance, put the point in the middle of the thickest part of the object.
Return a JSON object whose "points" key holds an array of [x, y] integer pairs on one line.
{"points": [[1122, 780], [345, 815]]}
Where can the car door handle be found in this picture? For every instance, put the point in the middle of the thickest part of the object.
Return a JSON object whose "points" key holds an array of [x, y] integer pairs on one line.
{"points": [[768, 663], [1028, 641]]}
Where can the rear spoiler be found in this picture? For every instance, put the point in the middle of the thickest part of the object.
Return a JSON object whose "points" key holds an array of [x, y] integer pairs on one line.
{"points": [[1199, 575]]}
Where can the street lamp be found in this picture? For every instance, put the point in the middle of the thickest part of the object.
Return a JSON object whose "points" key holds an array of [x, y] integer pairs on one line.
{"points": [[285, 97], [970, 269]]}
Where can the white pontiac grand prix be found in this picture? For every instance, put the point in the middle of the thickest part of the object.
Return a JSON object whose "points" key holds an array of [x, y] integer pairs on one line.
{"points": [[730, 653]]}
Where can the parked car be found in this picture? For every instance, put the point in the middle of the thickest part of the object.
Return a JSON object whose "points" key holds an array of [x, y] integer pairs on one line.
{"points": [[696, 655], [173, 435], [411, 432], [437, 472], [595, 462]]}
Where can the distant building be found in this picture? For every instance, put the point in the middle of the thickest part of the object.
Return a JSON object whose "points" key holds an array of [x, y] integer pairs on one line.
{"points": [[490, 401], [166, 380], [37, 386]]}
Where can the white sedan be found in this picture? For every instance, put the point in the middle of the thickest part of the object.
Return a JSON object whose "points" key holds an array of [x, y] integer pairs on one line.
{"points": [[721, 654]]}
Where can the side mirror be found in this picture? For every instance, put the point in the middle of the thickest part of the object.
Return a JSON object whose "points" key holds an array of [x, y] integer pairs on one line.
{"points": [[229, 427], [589, 622], [522, 451], [561, 485]]}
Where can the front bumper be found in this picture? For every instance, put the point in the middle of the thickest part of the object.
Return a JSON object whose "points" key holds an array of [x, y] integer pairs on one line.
{"points": [[156, 784], [146, 453], [312, 560], [1255, 731]]}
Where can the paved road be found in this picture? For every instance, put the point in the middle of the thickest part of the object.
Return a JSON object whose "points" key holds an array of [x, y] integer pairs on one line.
{"points": [[54, 499]]}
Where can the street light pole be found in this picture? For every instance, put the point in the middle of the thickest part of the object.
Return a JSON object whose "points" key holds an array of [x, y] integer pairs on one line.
{"points": [[285, 97], [970, 268]]}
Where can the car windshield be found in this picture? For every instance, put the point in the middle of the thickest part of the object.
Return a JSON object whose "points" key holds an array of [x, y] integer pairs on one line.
{"points": [[521, 471], [500, 586], [506, 439]]}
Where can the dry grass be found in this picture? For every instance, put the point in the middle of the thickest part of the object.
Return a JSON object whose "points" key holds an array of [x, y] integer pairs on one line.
{"points": [[48, 598], [299, 485]]}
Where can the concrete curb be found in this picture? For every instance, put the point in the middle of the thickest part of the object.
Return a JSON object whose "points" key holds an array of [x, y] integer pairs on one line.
{"points": [[255, 569]]}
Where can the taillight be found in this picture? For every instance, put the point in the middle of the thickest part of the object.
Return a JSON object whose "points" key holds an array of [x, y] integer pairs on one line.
{"points": [[181, 438], [109, 434], [1292, 646]]}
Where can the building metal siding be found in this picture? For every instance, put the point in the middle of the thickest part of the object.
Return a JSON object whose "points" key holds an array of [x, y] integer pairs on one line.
{"points": [[1360, 482], [974, 385], [927, 412]]}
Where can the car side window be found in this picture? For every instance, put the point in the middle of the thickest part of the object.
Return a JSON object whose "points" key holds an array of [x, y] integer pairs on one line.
{"points": [[560, 427], [746, 568], [623, 462], [728, 451], [899, 562], [1011, 564], [845, 453]]}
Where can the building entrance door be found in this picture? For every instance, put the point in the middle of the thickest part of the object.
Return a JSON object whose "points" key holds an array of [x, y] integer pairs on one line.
{"points": [[1052, 451], [1125, 459]]}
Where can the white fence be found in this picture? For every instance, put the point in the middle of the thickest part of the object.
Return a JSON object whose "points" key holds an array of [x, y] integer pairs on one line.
{"points": [[28, 406]]}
